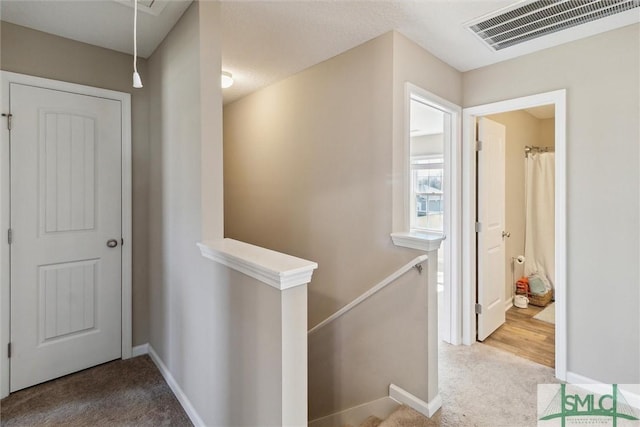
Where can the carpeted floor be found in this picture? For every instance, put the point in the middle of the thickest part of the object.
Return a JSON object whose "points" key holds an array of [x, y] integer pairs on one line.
{"points": [[120, 393], [403, 416], [479, 385], [485, 386]]}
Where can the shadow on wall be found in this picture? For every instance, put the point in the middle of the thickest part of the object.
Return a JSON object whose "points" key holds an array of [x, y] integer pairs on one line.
{"points": [[381, 341]]}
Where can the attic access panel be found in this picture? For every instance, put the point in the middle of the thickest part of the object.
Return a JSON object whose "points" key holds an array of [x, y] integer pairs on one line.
{"points": [[542, 17], [151, 7]]}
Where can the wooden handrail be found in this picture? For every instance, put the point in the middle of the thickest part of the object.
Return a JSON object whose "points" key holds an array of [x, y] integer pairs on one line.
{"points": [[415, 263]]}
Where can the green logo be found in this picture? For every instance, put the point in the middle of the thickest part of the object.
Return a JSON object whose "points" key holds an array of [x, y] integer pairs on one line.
{"points": [[588, 405]]}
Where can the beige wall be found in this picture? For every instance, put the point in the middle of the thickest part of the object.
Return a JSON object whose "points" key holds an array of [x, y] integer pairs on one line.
{"points": [[600, 75], [307, 167], [354, 359], [415, 65], [308, 171], [307, 164], [211, 159], [547, 132], [218, 331], [35, 53], [522, 129], [184, 324]]}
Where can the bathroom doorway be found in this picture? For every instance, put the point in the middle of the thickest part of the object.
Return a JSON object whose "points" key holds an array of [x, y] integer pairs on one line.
{"points": [[518, 158], [515, 228]]}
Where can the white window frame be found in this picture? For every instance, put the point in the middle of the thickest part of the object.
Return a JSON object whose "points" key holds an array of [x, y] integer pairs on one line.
{"points": [[451, 333]]}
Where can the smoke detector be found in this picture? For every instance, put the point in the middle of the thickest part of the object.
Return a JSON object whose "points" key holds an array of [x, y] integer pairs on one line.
{"points": [[528, 20]]}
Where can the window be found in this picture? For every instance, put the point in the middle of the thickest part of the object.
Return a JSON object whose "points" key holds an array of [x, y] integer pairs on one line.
{"points": [[429, 128], [427, 209]]}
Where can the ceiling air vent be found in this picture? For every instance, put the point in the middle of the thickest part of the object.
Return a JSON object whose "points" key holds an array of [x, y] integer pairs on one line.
{"points": [[539, 18]]}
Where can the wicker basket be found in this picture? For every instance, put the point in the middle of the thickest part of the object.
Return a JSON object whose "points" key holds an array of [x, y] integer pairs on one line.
{"points": [[541, 300]]}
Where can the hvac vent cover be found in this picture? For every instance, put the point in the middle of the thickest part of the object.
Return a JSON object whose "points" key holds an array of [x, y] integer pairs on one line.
{"points": [[541, 17]]}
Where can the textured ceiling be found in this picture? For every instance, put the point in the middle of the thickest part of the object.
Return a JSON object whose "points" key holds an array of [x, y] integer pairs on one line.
{"points": [[266, 41], [105, 23]]}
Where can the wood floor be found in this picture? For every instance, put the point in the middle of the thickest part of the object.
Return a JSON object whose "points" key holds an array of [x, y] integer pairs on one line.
{"points": [[525, 336]]}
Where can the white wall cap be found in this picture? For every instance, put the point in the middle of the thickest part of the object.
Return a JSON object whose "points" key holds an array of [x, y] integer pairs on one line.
{"points": [[273, 268], [423, 241]]}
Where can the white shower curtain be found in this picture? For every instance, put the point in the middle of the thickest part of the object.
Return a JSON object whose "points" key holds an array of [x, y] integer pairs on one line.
{"points": [[539, 246]]}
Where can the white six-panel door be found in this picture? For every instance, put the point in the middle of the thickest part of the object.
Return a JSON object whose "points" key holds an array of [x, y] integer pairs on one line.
{"points": [[491, 215], [65, 207]]}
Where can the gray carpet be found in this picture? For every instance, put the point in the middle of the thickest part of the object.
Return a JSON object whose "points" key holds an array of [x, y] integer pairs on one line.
{"points": [[403, 416], [480, 386], [120, 393], [484, 386]]}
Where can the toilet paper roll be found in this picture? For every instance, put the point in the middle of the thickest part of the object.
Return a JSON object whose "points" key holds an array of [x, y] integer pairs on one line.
{"points": [[520, 259]]}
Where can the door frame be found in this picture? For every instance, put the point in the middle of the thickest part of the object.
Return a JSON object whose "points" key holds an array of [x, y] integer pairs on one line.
{"points": [[469, 275], [453, 200], [5, 209]]}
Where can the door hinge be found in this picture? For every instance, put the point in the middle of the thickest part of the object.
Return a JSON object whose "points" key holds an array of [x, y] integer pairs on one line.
{"points": [[478, 227], [478, 308], [122, 241], [9, 350], [10, 236], [8, 116], [478, 145]]}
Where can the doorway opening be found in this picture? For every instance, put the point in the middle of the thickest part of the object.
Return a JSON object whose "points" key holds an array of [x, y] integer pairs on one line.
{"points": [[514, 227], [524, 241], [433, 194]]}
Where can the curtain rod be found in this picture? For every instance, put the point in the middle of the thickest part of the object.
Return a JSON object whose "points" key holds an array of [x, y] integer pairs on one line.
{"points": [[535, 149]]}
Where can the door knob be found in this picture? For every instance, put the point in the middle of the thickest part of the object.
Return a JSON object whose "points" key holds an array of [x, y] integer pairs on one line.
{"points": [[506, 234], [112, 243]]}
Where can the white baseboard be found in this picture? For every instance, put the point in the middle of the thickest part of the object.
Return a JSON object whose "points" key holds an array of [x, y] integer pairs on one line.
{"points": [[140, 350], [403, 396], [380, 408], [508, 304], [594, 386], [177, 391], [573, 378]]}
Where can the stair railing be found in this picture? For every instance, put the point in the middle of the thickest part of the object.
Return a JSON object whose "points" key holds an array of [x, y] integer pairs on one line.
{"points": [[415, 263]]}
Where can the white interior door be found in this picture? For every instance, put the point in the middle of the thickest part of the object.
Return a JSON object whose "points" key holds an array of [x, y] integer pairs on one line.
{"points": [[491, 214], [65, 208]]}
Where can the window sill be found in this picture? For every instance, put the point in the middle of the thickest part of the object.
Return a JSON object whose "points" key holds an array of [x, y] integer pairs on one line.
{"points": [[421, 240], [273, 268]]}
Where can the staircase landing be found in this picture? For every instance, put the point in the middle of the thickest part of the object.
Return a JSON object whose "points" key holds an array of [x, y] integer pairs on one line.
{"points": [[403, 416]]}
